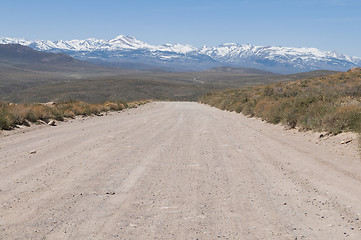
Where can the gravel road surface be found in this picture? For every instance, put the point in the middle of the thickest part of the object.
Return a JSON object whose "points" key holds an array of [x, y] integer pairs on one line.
{"points": [[177, 171]]}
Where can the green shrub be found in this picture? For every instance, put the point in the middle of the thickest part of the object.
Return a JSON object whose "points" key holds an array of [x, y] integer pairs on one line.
{"points": [[5, 121]]}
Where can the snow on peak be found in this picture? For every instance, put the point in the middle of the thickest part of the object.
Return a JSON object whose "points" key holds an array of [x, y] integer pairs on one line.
{"points": [[232, 51], [124, 42], [4, 40], [118, 43], [178, 48], [227, 50]]}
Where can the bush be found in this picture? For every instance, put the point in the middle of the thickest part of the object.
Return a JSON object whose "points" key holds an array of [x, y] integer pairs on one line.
{"points": [[6, 121], [346, 118]]}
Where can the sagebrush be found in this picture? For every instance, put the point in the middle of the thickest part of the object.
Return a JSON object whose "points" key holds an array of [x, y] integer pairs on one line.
{"points": [[328, 103]]}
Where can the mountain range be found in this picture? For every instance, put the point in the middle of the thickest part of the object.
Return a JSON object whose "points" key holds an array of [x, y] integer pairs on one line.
{"points": [[128, 52]]}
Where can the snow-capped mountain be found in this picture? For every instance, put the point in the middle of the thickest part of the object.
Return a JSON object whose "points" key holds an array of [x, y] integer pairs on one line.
{"points": [[282, 58], [126, 50]]}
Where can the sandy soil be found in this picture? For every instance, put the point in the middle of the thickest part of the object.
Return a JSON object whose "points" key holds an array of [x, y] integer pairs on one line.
{"points": [[177, 171]]}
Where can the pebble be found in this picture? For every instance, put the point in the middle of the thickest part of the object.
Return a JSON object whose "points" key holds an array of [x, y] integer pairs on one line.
{"points": [[52, 123], [346, 141]]}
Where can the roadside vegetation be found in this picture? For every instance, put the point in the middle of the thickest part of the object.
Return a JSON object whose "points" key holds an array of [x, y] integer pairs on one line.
{"points": [[328, 103], [13, 115]]}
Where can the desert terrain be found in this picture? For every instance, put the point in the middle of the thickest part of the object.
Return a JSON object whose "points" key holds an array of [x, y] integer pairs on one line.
{"points": [[177, 170]]}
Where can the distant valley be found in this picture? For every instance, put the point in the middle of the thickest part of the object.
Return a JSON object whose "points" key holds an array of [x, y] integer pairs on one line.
{"points": [[28, 75]]}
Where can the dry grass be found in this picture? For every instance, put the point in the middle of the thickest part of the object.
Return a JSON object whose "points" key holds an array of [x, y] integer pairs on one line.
{"points": [[12, 115], [328, 103]]}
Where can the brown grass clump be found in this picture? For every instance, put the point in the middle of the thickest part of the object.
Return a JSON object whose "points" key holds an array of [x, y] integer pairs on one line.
{"points": [[328, 103]]}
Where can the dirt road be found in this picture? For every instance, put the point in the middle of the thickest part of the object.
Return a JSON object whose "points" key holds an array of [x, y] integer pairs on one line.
{"points": [[177, 171]]}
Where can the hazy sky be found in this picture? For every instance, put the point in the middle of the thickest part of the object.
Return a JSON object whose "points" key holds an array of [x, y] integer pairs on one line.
{"points": [[325, 24]]}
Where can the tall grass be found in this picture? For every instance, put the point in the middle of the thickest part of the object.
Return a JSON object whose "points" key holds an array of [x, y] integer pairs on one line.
{"points": [[328, 103], [12, 115]]}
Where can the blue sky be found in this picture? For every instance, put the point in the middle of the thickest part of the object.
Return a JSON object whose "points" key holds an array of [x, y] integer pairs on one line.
{"points": [[325, 24]]}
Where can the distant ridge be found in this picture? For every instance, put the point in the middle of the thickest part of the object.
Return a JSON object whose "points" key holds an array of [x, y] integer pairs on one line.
{"points": [[16, 55], [22, 54], [240, 70], [127, 50]]}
